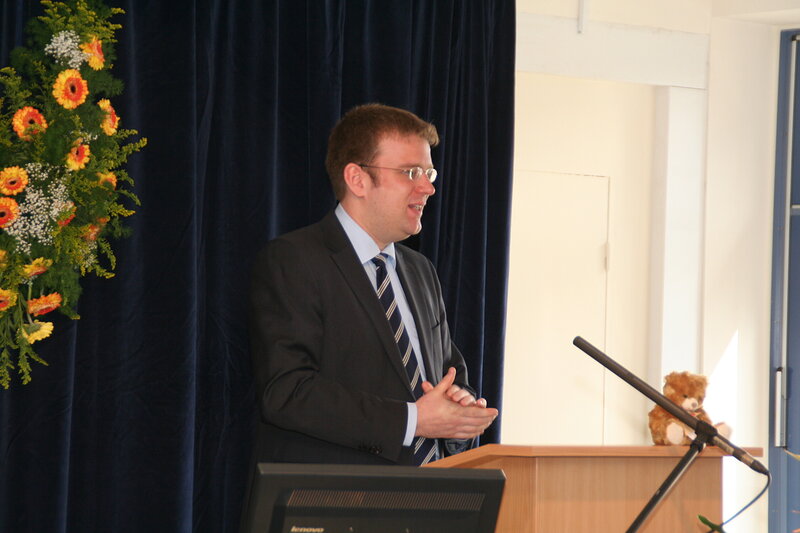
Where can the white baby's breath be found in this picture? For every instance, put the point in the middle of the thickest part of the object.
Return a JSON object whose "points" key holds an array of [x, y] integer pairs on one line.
{"points": [[65, 49], [40, 208]]}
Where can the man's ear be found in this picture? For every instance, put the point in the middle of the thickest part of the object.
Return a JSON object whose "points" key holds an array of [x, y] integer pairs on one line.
{"points": [[355, 178]]}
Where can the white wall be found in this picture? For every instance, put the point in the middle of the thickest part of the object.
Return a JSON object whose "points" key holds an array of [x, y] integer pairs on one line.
{"points": [[738, 251], [676, 247], [693, 16], [569, 128], [704, 290]]}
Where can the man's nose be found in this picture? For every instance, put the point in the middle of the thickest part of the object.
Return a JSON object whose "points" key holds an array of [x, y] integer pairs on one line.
{"points": [[424, 185]]}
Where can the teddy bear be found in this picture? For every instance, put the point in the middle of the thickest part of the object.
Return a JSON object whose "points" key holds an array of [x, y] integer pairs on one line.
{"points": [[687, 391]]}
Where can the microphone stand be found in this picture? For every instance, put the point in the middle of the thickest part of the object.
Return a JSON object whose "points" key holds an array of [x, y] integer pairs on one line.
{"points": [[705, 433]]}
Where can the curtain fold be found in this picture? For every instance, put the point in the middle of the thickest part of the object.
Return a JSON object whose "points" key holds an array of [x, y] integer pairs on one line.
{"points": [[143, 419]]}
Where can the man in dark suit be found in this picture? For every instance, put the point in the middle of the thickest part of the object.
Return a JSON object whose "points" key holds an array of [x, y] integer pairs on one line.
{"points": [[333, 385]]}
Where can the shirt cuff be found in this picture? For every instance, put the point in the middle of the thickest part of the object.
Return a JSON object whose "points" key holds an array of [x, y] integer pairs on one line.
{"points": [[411, 425]]}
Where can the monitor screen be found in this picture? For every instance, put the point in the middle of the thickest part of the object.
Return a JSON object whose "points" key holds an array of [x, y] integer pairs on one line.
{"points": [[316, 498]]}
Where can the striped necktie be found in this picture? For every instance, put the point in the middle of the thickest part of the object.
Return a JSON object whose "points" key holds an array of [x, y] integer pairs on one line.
{"points": [[424, 449]]}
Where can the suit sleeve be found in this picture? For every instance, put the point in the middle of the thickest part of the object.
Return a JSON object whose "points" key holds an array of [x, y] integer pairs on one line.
{"points": [[288, 347]]}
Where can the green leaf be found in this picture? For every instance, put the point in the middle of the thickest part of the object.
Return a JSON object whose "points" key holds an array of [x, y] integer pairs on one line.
{"points": [[712, 525]]}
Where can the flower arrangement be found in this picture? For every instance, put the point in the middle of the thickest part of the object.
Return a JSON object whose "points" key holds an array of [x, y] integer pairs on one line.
{"points": [[62, 184]]}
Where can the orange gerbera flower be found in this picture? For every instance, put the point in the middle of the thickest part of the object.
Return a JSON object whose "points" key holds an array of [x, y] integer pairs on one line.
{"points": [[44, 304], [70, 89], [9, 211], [27, 122], [78, 156], [36, 267], [111, 122], [66, 220], [66, 216], [91, 231], [107, 177], [94, 49], [3, 259], [13, 180], [7, 299]]}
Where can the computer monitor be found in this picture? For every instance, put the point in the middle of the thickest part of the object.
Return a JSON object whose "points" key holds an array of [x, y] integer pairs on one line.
{"points": [[316, 498]]}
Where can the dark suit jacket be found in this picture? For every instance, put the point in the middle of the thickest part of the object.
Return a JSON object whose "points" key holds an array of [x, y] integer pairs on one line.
{"points": [[331, 385]]}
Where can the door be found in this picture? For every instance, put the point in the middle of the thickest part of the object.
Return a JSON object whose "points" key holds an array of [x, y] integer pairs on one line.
{"points": [[784, 495]]}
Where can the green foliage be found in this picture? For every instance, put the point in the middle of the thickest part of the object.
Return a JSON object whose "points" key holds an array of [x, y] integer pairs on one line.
{"points": [[59, 131], [712, 525]]}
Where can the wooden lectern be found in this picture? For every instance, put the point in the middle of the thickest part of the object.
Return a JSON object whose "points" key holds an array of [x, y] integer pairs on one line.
{"points": [[598, 489]]}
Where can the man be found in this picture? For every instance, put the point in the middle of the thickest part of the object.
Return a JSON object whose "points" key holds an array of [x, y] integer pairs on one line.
{"points": [[334, 305]]}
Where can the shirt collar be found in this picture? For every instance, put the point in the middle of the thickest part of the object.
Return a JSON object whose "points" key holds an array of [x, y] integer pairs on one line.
{"points": [[362, 243]]}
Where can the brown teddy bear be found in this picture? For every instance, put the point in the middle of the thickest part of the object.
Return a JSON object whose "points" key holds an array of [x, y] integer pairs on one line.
{"points": [[687, 391]]}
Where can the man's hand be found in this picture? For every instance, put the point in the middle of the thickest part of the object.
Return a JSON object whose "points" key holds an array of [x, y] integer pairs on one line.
{"points": [[458, 395], [448, 411]]}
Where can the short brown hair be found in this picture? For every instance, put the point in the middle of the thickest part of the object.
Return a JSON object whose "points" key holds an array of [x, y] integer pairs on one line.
{"points": [[356, 136]]}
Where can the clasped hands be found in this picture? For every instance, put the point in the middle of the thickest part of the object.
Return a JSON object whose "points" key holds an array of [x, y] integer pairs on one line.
{"points": [[448, 411]]}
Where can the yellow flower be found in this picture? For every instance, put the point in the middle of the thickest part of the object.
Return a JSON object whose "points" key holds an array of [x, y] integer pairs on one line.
{"points": [[7, 299], [28, 121], [94, 49], [36, 267], [44, 304], [78, 156], [3, 259], [70, 89], [36, 331], [9, 211], [111, 120], [13, 180], [107, 177]]}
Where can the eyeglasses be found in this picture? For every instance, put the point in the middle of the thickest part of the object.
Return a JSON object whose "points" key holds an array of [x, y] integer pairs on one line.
{"points": [[413, 173]]}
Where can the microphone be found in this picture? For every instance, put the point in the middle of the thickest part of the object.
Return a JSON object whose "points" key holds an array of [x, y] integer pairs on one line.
{"points": [[728, 447], [698, 426]]}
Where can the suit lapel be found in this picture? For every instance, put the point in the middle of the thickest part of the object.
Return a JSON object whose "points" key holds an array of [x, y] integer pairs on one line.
{"points": [[411, 281], [346, 260]]}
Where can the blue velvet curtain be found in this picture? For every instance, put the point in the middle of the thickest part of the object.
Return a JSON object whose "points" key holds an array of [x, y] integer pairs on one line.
{"points": [[143, 419]]}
